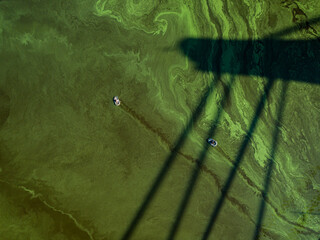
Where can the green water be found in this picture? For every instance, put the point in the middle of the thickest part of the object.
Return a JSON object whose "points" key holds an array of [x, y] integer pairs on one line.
{"points": [[74, 166]]}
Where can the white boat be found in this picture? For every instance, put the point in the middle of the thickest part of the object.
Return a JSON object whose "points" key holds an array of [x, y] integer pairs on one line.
{"points": [[116, 101], [212, 142]]}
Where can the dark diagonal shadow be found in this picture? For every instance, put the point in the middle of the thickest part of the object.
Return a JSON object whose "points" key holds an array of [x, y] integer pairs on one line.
{"points": [[275, 139], [196, 171], [179, 143], [294, 29], [299, 62], [289, 60], [237, 162], [308, 213], [200, 55], [271, 162]]}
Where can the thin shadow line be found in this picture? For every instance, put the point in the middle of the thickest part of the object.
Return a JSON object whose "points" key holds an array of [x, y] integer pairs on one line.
{"points": [[196, 171], [179, 143], [267, 63], [293, 29], [167, 165], [233, 171], [171, 157], [270, 162], [307, 213]]}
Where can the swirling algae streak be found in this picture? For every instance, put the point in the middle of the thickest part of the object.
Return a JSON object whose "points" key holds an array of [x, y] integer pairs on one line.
{"points": [[165, 141], [242, 207], [38, 197]]}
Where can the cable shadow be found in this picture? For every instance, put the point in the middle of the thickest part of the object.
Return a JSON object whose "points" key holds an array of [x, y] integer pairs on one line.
{"points": [[275, 140], [199, 53], [209, 62], [179, 143], [300, 61], [309, 213], [196, 171], [296, 28], [271, 162], [237, 162]]}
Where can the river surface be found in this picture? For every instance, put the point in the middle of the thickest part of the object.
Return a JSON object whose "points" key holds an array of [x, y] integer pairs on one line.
{"points": [[75, 166]]}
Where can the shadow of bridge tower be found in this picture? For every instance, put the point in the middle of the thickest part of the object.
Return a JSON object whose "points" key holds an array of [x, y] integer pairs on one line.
{"points": [[300, 62], [288, 60]]}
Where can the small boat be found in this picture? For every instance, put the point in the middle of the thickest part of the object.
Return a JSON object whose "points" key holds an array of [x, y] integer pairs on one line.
{"points": [[212, 142], [116, 101]]}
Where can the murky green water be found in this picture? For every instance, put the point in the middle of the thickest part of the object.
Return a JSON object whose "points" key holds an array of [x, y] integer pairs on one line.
{"points": [[74, 166]]}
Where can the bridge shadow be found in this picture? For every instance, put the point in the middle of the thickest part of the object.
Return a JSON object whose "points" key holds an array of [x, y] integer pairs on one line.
{"points": [[292, 60], [288, 60], [300, 62]]}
